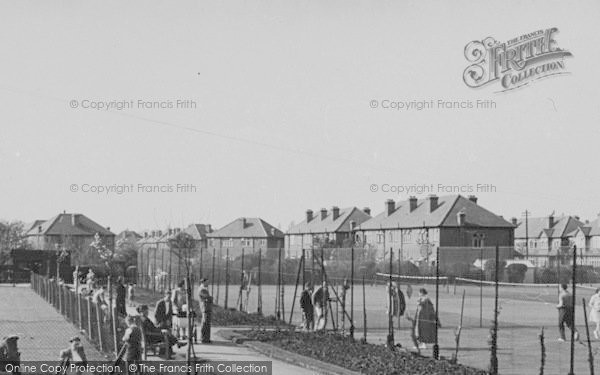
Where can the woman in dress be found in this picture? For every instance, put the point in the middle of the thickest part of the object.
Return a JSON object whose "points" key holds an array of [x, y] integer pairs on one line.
{"points": [[595, 312], [425, 327]]}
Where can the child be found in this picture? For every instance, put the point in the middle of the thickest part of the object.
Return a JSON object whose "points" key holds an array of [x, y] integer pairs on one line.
{"points": [[130, 294]]}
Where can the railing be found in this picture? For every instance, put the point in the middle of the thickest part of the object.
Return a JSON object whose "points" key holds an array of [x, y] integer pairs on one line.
{"points": [[100, 324]]}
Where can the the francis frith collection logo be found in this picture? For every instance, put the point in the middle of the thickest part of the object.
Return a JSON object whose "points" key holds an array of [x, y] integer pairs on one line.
{"points": [[514, 63]]}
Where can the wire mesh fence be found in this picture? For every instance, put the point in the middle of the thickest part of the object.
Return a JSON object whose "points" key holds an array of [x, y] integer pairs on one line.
{"points": [[100, 323]]}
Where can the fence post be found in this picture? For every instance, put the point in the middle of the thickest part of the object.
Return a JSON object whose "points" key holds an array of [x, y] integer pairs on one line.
{"points": [[494, 356], [226, 278], [89, 316], [113, 318], [352, 292], [78, 296], [390, 337], [99, 323], [436, 347], [259, 282], [219, 274], [212, 275], [574, 280]]}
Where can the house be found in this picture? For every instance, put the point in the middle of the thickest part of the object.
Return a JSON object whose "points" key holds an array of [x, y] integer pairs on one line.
{"points": [[129, 236], [72, 232], [413, 228], [541, 239], [332, 228], [587, 240], [245, 233], [199, 233]]}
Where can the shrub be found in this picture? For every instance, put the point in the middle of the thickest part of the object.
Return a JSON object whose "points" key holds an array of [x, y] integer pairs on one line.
{"points": [[516, 273], [490, 269]]}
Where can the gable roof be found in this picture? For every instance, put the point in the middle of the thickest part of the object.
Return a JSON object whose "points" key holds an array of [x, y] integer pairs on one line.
{"points": [[328, 224], [129, 234], [32, 225], [444, 215], [536, 226], [69, 225], [198, 231], [251, 227]]}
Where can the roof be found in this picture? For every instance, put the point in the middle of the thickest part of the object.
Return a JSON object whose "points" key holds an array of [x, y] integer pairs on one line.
{"points": [[536, 226], [198, 231], [328, 225], [444, 215], [129, 234], [69, 225], [32, 225], [251, 227]]}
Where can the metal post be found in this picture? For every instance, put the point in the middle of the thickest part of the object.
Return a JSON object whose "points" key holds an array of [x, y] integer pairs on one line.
{"points": [[219, 275], [589, 343], [364, 309], [390, 337], [352, 292], [574, 281], [436, 347], [259, 282], [226, 278], [241, 297], [494, 359], [480, 288], [212, 274]]}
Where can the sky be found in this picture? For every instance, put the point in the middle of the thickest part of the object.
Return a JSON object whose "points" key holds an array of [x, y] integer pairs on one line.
{"points": [[280, 115]]}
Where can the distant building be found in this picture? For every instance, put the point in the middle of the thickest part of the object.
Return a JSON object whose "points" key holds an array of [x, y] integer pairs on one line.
{"points": [[587, 240], [544, 238], [129, 236], [332, 228], [415, 227], [72, 232], [249, 234], [199, 233]]}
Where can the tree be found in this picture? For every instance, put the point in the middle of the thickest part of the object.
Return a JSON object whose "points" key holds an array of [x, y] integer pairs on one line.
{"points": [[490, 269], [106, 253], [12, 236]]}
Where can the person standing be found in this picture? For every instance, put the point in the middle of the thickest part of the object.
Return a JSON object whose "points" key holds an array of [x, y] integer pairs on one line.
{"points": [[595, 312], [179, 315], [90, 279], [425, 326], [131, 294], [565, 313], [163, 314], [73, 355], [306, 305], [320, 301], [120, 299], [206, 302]]}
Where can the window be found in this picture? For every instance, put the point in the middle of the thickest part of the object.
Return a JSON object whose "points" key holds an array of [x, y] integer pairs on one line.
{"points": [[380, 237], [478, 240], [246, 242], [391, 236], [228, 242]]}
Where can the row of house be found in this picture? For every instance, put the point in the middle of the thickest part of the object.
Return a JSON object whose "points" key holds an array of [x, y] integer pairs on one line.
{"points": [[413, 228]]}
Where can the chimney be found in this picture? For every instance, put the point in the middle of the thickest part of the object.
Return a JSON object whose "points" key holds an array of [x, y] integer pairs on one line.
{"points": [[159, 233], [145, 234], [335, 211], [170, 232], [514, 221], [309, 215], [208, 228], [550, 221], [460, 218], [412, 202], [73, 220], [587, 221], [243, 222], [473, 199], [323, 213], [39, 229], [108, 229], [367, 211], [577, 217], [433, 202], [390, 206]]}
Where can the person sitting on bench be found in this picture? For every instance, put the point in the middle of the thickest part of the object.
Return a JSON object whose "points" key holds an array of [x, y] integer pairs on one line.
{"points": [[153, 334]]}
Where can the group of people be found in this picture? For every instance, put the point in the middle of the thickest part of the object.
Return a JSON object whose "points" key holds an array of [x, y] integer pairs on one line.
{"points": [[565, 313], [170, 322], [314, 304]]}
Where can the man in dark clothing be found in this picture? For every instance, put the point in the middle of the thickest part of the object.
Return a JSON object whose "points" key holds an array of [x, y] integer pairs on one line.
{"points": [[153, 334], [308, 314], [120, 300], [565, 313], [9, 352], [206, 302], [164, 312]]}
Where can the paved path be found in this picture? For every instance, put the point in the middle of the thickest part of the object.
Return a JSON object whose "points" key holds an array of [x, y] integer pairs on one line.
{"points": [[42, 331]]}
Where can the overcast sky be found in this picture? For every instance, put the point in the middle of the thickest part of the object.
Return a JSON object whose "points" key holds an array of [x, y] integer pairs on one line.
{"points": [[283, 119]]}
